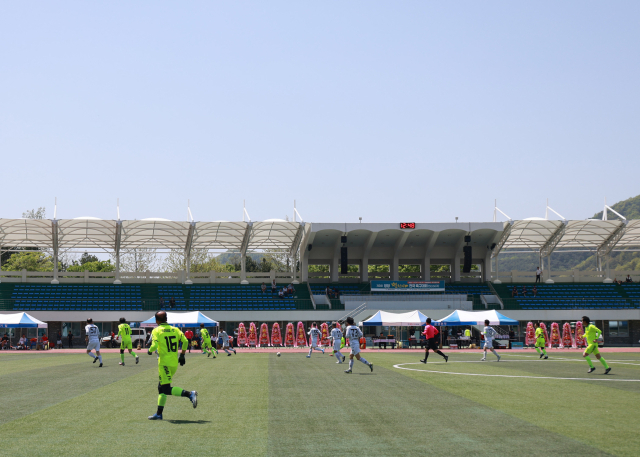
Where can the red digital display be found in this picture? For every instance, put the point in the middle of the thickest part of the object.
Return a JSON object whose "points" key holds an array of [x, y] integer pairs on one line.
{"points": [[407, 225]]}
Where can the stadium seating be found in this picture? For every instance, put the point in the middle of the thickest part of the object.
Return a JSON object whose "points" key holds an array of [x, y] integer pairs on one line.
{"points": [[71, 297], [365, 288], [567, 296]]}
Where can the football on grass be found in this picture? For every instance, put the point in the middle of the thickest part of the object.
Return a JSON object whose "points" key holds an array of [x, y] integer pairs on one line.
{"points": [[278, 354]]}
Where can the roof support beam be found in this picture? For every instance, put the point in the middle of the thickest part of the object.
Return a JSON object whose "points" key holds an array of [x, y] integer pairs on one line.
{"points": [[607, 245], [187, 251], [118, 238], [243, 253], [364, 274], [395, 275], [54, 240], [295, 248], [503, 239], [548, 247], [426, 263]]}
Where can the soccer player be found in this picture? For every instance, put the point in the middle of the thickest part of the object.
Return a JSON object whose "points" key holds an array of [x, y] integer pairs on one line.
{"points": [[165, 340], [354, 334], [336, 337], [314, 337], [430, 332], [222, 335], [92, 338], [489, 334], [592, 333], [206, 342], [540, 341], [124, 332]]}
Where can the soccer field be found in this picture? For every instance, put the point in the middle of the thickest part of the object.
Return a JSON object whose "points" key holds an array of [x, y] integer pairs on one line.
{"points": [[258, 404]]}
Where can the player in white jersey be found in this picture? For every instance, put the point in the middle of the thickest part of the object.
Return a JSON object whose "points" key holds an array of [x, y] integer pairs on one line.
{"points": [[336, 336], [489, 334], [314, 337], [354, 334], [92, 337], [223, 340]]}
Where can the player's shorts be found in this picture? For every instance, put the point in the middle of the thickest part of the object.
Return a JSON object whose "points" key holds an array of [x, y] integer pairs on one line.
{"points": [[355, 348], [166, 373], [314, 344], [206, 344], [432, 344], [337, 346], [592, 349], [93, 345], [488, 344], [540, 343], [225, 344], [126, 344]]}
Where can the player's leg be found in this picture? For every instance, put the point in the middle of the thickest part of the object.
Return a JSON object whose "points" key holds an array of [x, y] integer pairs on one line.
{"points": [[90, 354], [602, 360], [585, 354], [121, 355], [98, 354], [363, 360], [484, 349], [496, 353]]}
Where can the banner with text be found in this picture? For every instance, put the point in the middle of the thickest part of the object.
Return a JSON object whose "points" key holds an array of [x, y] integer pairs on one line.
{"points": [[407, 286]]}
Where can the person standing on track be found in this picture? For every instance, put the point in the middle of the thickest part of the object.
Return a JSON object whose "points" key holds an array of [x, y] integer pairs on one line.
{"points": [[541, 343], [336, 337], [430, 332], [92, 339], [354, 334], [165, 340], [189, 335], [489, 334], [591, 334], [124, 332], [314, 337]]}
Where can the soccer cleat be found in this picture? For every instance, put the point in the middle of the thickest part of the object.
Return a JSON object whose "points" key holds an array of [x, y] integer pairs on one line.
{"points": [[308, 357], [228, 355], [214, 356], [546, 357], [322, 351], [338, 361], [591, 370], [541, 355], [100, 365], [155, 417], [498, 358], [483, 359], [607, 370], [137, 359], [371, 367], [194, 398], [121, 363], [446, 358], [347, 371], [208, 354], [343, 357], [234, 351], [95, 359]]}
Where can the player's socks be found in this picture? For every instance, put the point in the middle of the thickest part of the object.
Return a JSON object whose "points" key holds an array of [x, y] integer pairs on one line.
{"points": [[90, 354], [363, 360], [544, 351], [122, 357], [162, 400], [538, 350], [310, 350], [441, 354], [160, 409], [496, 353], [100, 357], [338, 356], [589, 361], [604, 362], [133, 354], [350, 364], [178, 392]]}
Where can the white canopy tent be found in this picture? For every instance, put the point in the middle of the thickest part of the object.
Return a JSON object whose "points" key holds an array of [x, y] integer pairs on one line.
{"points": [[384, 318], [184, 320]]}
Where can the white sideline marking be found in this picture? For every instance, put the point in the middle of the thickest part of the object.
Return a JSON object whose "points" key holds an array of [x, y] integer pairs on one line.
{"points": [[400, 367]]}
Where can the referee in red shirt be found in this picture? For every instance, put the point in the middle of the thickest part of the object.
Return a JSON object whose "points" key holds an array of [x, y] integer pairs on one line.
{"points": [[431, 332]]}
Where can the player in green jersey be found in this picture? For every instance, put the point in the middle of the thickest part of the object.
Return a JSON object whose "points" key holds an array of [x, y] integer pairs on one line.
{"points": [[165, 339], [124, 332], [591, 334], [206, 342], [540, 341]]}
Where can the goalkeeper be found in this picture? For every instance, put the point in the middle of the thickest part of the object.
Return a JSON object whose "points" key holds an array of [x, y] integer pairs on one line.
{"points": [[165, 339], [592, 333]]}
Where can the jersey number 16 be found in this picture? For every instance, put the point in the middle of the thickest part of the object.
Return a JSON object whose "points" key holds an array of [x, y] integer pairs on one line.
{"points": [[172, 344]]}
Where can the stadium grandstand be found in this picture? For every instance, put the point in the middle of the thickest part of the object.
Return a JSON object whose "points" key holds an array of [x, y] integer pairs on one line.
{"points": [[331, 274]]}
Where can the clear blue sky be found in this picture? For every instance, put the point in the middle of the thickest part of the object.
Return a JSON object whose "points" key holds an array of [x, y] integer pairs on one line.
{"points": [[393, 111]]}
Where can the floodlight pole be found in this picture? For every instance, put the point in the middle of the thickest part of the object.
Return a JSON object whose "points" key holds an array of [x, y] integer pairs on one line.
{"points": [[54, 238], [187, 248]]}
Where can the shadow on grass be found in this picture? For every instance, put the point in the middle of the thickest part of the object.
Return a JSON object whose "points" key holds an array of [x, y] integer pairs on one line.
{"points": [[177, 421]]}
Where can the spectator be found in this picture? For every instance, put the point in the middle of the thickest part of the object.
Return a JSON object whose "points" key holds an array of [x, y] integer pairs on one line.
{"points": [[59, 340], [535, 291], [148, 342], [281, 293], [538, 274], [113, 340], [629, 279], [70, 339], [22, 344], [274, 286], [5, 342], [336, 292], [45, 341], [161, 303], [524, 291], [263, 288], [514, 292], [172, 303]]}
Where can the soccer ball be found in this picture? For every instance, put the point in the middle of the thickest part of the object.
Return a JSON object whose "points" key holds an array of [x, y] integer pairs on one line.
{"points": [[278, 354]]}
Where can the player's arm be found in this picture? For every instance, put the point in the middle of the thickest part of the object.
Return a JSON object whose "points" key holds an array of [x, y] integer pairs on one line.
{"points": [[154, 344]]}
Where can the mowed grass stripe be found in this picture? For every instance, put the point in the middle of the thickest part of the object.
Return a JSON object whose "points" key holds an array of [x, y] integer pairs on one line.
{"points": [[112, 419], [316, 409], [600, 414], [20, 362]]}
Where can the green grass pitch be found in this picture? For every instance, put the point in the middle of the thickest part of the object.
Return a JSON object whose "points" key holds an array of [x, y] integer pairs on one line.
{"points": [[257, 404]]}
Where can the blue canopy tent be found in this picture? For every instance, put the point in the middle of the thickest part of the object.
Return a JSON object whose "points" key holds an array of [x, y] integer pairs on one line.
{"points": [[476, 318], [20, 320], [184, 320]]}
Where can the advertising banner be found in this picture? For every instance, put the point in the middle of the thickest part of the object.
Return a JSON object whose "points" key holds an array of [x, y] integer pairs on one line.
{"points": [[407, 286]]}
